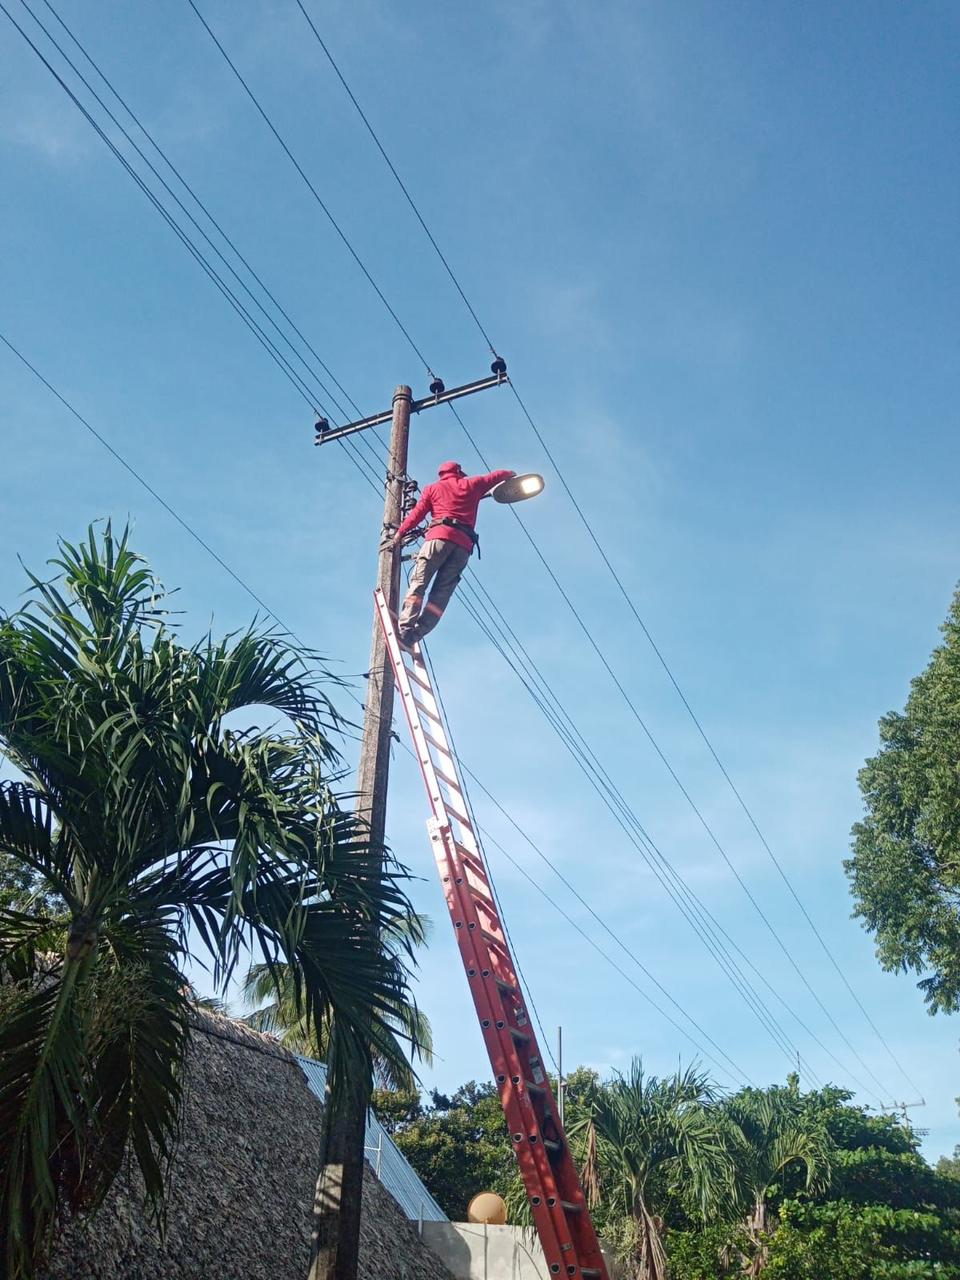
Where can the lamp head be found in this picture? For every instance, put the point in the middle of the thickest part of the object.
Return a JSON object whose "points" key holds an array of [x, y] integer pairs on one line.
{"points": [[519, 488]]}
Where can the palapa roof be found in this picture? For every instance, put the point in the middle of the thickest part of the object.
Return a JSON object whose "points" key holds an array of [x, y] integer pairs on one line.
{"points": [[241, 1184]]}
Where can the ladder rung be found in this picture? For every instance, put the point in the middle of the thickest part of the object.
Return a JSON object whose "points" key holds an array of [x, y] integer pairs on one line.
{"points": [[589, 1272], [494, 941], [521, 1037], [447, 776], [466, 856], [504, 985], [431, 715], [534, 1088], [570, 1207], [436, 743], [419, 679], [460, 817], [552, 1145]]}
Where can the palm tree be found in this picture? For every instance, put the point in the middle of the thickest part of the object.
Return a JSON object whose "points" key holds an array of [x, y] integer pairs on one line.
{"points": [[772, 1132], [162, 834], [270, 990], [657, 1141]]}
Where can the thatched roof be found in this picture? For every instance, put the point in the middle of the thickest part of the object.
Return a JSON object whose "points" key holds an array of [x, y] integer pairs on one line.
{"points": [[241, 1185]]}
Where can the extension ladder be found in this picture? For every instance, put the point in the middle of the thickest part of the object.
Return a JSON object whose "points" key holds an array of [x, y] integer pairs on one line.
{"points": [[546, 1165]]}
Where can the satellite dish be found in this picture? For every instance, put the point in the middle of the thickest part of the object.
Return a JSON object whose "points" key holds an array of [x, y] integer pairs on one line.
{"points": [[518, 488], [487, 1207]]}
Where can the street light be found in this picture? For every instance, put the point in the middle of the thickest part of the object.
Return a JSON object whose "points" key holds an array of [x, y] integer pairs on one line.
{"points": [[518, 488]]}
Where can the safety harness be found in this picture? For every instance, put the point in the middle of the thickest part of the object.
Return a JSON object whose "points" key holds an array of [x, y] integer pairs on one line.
{"points": [[462, 527]]}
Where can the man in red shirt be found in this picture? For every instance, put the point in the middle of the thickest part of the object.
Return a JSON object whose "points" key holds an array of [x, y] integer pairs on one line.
{"points": [[452, 501]]}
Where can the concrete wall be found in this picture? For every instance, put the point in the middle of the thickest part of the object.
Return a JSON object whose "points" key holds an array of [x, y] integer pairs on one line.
{"points": [[476, 1252]]}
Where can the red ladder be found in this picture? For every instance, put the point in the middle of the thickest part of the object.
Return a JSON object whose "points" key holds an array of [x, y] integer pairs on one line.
{"points": [[549, 1174]]}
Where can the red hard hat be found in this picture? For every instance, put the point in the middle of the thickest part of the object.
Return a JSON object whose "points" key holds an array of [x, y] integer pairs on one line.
{"points": [[448, 468]]}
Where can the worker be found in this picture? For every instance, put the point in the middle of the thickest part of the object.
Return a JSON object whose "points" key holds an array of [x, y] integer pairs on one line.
{"points": [[452, 502]]}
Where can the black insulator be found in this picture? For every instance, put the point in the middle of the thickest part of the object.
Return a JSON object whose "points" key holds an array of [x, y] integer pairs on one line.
{"points": [[499, 366], [321, 426], [436, 387]]}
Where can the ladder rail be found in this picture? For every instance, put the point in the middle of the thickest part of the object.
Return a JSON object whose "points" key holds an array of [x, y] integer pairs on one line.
{"points": [[543, 1155]]}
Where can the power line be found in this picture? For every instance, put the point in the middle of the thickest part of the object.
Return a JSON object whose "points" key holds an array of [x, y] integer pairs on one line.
{"points": [[196, 253], [599, 548], [192, 193], [281, 361], [400, 182], [628, 701], [600, 654], [245, 586], [698, 917], [141, 480], [166, 215], [493, 888], [316, 194], [554, 905], [343, 237], [587, 760]]}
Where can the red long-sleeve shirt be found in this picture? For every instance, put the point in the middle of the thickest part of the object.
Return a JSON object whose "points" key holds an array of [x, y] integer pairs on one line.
{"points": [[457, 497]]}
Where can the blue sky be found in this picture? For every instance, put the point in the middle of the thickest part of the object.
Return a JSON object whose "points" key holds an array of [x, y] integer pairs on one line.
{"points": [[716, 245]]}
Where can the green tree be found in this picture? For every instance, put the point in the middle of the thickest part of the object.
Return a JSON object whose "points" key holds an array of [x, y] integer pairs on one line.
{"points": [[905, 872], [659, 1143], [159, 829], [843, 1241], [774, 1134], [459, 1144], [272, 988]]}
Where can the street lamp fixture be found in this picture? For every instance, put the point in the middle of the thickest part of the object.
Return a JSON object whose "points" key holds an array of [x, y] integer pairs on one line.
{"points": [[519, 488]]}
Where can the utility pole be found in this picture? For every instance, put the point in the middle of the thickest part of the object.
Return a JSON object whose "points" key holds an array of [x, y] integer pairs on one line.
{"points": [[336, 1222], [336, 1237]]}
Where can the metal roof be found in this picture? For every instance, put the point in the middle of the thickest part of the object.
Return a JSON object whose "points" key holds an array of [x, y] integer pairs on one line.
{"points": [[385, 1157]]}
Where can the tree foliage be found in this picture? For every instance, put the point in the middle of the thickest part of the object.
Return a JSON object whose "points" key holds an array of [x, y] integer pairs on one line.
{"points": [[905, 872], [845, 1194], [152, 827], [458, 1144], [272, 990]]}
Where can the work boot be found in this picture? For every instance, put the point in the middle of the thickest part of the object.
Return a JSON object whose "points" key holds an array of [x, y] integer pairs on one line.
{"points": [[408, 639]]}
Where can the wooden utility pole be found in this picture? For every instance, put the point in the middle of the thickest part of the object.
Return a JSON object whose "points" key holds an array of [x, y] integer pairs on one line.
{"points": [[336, 1211], [336, 1236]]}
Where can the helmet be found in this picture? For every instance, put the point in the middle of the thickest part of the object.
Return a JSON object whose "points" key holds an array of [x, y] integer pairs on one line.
{"points": [[450, 469]]}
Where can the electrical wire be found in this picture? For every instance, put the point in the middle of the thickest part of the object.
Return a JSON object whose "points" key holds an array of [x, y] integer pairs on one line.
{"points": [[631, 706], [578, 929], [662, 870], [400, 182], [600, 779], [199, 203], [283, 364], [245, 586], [189, 245], [606, 560], [392, 312], [316, 194], [521, 977]]}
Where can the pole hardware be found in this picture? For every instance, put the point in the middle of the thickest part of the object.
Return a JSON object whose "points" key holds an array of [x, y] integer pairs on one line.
{"points": [[498, 376]]}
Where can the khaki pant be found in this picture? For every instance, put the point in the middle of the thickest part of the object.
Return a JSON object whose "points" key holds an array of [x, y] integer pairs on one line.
{"points": [[442, 561]]}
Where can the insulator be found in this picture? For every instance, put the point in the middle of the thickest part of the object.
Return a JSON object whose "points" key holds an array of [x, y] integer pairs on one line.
{"points": [[321, 426], [499, 366], [436, 387]]}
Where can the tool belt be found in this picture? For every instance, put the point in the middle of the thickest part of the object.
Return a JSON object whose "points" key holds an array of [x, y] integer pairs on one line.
{"points": [[468, 529]]}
